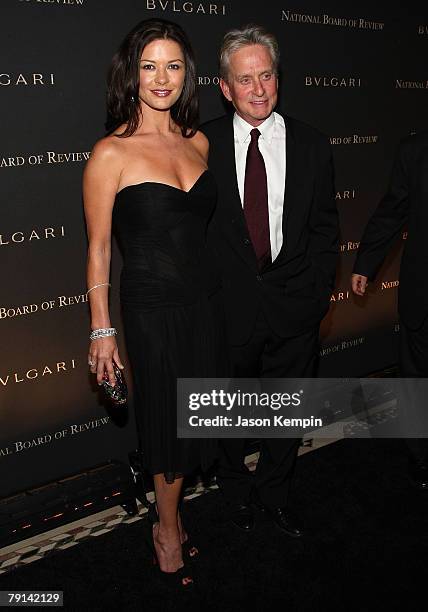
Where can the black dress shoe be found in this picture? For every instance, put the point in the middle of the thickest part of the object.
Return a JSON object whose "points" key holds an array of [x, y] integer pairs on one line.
{"points": [[242, 516], [420, 475], [285, 521]]}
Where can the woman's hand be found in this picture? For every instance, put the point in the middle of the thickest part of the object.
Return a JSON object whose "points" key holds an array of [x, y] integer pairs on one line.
{"points": [[102, 351]]}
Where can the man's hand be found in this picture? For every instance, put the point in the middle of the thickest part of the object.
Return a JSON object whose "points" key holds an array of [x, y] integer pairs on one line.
{"points": [[359, 284]]}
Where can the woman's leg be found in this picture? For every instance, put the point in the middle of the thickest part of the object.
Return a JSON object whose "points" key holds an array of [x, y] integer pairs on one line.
{"points": [[166, 533]]}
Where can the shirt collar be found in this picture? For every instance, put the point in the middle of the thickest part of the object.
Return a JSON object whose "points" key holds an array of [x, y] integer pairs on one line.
{"points": [[242, 128]]}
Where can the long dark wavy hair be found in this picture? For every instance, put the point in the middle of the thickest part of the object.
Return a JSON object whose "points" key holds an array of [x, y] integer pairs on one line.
{"points": [[123, 83]]}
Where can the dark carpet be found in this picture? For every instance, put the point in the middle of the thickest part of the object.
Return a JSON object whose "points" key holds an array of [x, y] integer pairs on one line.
{"points": [[365, 547]]}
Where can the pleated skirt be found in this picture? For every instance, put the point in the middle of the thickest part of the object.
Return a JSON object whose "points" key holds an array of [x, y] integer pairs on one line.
{"points": [[164, 344]]}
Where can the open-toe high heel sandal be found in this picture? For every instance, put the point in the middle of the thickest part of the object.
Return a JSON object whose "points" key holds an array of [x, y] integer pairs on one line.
{"points": [[190, 550], [180, 578]]}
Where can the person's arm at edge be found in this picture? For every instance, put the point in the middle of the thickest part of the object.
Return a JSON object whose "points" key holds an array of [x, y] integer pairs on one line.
{"points": [[384, 225]]}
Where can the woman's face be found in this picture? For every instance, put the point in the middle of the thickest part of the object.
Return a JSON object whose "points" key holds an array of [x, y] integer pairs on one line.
{"points": [[162, 71]]}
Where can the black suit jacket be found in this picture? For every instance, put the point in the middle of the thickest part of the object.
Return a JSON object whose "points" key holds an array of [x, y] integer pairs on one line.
{"points": [[406, 201], [294, 290]]}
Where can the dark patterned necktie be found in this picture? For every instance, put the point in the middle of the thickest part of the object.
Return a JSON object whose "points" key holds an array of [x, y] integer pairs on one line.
{"points": [[256, 210]]}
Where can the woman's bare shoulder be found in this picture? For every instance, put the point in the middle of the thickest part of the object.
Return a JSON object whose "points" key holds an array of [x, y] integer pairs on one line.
{"points": [[109, 148], [201, 144]]}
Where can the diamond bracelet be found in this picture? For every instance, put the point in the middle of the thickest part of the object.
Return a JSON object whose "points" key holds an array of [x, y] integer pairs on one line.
{"points": [[103, 332]]}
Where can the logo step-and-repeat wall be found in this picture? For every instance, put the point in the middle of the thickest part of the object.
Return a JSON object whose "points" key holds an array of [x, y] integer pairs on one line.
{"points": [[357, 73]]}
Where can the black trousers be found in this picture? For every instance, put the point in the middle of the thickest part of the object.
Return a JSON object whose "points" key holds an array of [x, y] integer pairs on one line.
{"points": [[266, 355], [413, 363]]}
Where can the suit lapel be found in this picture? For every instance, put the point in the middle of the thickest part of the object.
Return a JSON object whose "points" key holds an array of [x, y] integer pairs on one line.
{"points": [[230, 175], [290, 174]]}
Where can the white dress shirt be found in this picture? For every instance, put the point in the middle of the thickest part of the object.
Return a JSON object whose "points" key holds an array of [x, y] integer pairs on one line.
{"points": [[272, 147]]}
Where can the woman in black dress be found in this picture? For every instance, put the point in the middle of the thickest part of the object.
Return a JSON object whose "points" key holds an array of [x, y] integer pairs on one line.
{"points": [[148, 180]]}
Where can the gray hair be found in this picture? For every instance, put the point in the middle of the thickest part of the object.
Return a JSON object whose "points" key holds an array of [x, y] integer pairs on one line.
{"points": [[247, 35]]}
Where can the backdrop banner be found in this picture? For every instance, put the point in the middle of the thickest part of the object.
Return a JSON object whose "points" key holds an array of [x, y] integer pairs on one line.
{"points": [[356, 71]]}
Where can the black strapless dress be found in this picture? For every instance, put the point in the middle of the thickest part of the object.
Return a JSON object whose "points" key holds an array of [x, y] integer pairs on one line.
{"points": [[172, 314]]}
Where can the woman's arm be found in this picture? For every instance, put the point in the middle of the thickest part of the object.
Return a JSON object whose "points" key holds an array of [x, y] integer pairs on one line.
{"points": [[100, 183]]}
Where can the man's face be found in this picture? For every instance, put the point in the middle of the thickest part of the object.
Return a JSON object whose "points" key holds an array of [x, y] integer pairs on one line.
{"points": [[252, 85]]}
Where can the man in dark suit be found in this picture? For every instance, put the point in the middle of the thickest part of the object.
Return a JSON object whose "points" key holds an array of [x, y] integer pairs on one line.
{"points": [[406, 201], [275, 233]]}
